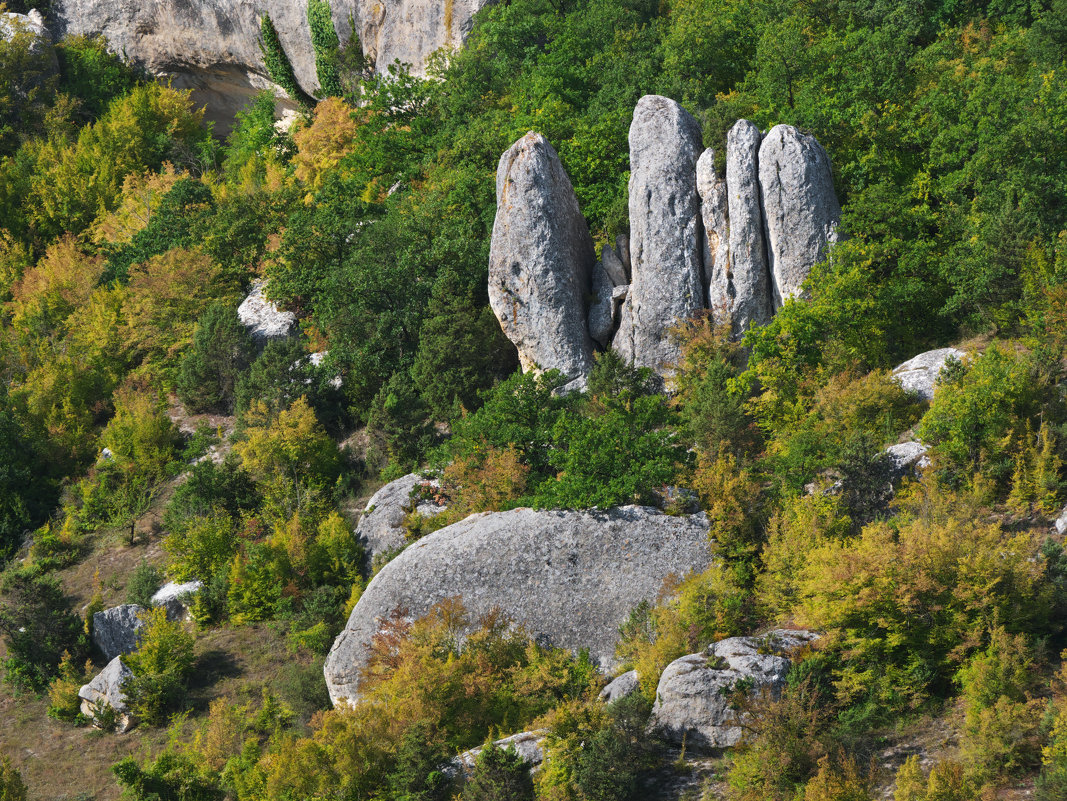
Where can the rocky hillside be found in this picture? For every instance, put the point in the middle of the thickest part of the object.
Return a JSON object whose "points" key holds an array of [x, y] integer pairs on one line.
{"points": [[647, 401]]}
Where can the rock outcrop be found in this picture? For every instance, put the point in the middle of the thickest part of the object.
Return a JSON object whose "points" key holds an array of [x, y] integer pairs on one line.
{"points": [[907, 457], [117, 631], [263, 319], [800, 208], [666, 232], [692, 698], [381, 526], [713, 210], [212, 46], [620, 687], [106, 691], [569, 578], [749, 276], [541, 260], [41, 46], [175, 598], [919, 374], [529, 745]]}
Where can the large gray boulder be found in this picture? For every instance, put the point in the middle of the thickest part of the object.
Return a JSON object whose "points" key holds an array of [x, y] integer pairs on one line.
{"points": [[620, 687], [540, 260], [569, 578], [117, 630], [749, 275], [666, 232], [692, 698], [800, 207], [107, 691], [381, 526], [262, 317], [919, 374], [529, 745]]}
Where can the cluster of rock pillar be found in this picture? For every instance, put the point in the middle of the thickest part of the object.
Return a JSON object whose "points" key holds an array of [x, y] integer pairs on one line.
{"points": [[739, 245]]}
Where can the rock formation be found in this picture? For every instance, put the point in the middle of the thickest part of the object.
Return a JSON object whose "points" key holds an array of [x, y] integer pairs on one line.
{"points": [[666, 232], [212, 46], [692, 698], [541, 260], [620, 687], [381, 526], [529, 745], [105, 691], [263, 319], [41, 47], [751, 286], [737, 244], [569, 578], [117, 631], [800, 209], [175, 598], [919, 374]]}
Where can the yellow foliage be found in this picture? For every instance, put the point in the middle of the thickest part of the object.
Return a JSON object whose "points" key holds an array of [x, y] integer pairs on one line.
{"points": [[142, 194], [58, 284], [321, 146]]}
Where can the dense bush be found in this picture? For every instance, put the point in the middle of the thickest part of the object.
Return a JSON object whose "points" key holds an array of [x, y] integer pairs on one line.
{"points": [[160, 666], [220, 352]]}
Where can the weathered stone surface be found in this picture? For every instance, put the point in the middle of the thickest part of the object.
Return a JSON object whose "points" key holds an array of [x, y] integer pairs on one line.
{"points": [[613, 266], [919, 373], [691, 698], [713, 210], [622, 247], [212, 46], [541, 260], [907, 457], [106, 690], [800, 207], [601, 322], [117, 630], [381, 526], [1061, 522], [41, 46], [569, 578], [262, 318], [528, 744], [666, 232], [175, 598], [749, 274], [620, 687]]}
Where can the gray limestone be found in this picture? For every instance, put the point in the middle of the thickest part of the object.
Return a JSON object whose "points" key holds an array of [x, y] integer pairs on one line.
{"points": [[620, 687], [117, 630], [529, 745], [666, 232], [541, 260], [569, 578], [800, 208], [175, 597], [692, 698], [381, 526], [107, 690], [749, 274], [919, 374], [602, 311], [263, 319], [713, 210]]}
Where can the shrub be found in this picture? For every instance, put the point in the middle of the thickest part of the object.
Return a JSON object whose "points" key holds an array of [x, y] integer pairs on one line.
{"points": [[145, 580], [201, 547], [173, 775], [500, 774], [91, 73], [418, 775], [326, 46], [63, 700], [279, 68], [12, 787], [838, 783], [946, 782], [160, 667], [209, 486], [37, 621], [221, 350]]}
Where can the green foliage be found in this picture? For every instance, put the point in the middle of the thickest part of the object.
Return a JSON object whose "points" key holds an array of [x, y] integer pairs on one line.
{"points": [[172, 776], [326, 46], [500, 774], [92, 74], [209, 486], [160, 667], [27, 84], [418, 775], [143, 583], [400, 419], [64, 703], [25, 494], [39, 627], [12, 787], [221, 350], [279, 68]]}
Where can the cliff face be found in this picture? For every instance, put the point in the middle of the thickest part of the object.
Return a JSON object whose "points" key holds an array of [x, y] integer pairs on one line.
{"points": [[212, 46]]}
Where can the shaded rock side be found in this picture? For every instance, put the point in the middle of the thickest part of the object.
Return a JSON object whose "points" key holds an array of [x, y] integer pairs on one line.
{"points": [[749, 273], [919, 374], [569, 578], [107, 690], [541, 260], [620, 687], [666, 232], [800, 207], [381, 526], [117, 630], [692, 698]]}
